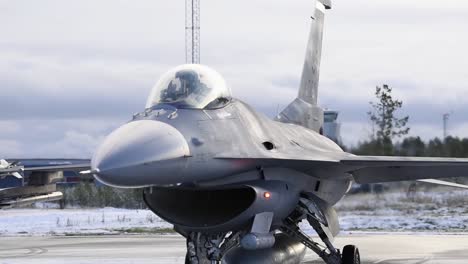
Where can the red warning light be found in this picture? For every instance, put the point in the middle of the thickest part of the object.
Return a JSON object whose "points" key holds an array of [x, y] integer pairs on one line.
{"points": [[267, 195]]}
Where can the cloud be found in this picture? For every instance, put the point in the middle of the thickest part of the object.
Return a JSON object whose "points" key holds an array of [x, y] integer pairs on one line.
{"points": [[68, 138], [11, 148], [73, 144], [66, 64]]}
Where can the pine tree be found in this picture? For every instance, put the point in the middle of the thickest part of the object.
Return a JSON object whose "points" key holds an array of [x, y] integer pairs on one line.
{"points": [[383, 118]]}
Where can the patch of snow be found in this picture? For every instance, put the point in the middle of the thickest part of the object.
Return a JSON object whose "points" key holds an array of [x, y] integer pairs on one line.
{"points": [[430, 212], [75, 221]]}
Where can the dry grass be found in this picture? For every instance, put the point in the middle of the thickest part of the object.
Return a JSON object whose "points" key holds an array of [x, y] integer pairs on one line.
{"points": [[421, 200]]}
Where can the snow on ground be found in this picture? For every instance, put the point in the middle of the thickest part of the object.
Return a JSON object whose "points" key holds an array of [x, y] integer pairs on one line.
{"points": [[77, 221], [391, 220], [434, 211], [390, 212]]}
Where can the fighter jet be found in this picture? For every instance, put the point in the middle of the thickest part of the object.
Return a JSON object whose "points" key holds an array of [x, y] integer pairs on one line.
{"points": [[235, 183], [36, 180]]}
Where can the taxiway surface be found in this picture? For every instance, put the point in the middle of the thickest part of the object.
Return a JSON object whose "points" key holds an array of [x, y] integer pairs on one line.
{"points": [[376, 249]]}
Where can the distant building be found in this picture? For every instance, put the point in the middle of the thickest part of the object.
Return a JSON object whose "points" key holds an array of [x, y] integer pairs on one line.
{"points": [[331, 128]]}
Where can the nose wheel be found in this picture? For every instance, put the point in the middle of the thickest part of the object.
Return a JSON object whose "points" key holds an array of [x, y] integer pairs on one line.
{"points": [[209, 248], [350, 255]]}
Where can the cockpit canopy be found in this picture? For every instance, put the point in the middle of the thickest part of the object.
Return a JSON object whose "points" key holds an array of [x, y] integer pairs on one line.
{"points": [[190, 86]]}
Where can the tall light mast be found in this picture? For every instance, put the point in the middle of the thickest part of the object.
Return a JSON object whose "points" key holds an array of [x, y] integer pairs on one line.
{"points": [[192, 31]]}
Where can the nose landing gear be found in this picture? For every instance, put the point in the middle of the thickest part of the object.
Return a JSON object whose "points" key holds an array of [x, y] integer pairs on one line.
{"points": [[350, 255]]}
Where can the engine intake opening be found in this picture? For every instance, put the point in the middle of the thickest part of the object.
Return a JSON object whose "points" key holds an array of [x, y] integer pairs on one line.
{"points": [[199, 208]]}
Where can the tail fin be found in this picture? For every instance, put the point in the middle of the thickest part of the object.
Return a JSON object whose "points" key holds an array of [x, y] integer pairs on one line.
{"points": [[304, 110]]}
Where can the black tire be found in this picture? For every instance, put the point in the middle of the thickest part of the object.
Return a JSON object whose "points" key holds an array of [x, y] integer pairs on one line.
{"points": [[350, 255]]}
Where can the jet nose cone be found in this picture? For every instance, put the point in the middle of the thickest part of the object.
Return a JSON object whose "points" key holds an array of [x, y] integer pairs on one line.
{"points": [[141, 153]]}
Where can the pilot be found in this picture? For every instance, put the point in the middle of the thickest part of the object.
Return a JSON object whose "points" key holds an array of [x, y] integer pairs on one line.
{"points": [[180, 87], [189, 81], [195, 87], [187, 87], [169, 94]]}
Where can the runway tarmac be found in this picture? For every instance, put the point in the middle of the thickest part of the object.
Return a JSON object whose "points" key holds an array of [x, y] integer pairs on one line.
{"points": [[375, 249]]}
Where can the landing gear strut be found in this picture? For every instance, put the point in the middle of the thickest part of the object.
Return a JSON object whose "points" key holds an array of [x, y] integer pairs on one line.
{"points": [[310, 210], [329, 254]]}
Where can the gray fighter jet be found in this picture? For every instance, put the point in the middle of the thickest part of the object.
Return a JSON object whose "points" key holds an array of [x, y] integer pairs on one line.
{"points": [[235, 183], [35, 180]]}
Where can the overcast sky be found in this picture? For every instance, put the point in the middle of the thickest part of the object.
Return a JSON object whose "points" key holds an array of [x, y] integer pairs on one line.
{"points": [[72, 71]]}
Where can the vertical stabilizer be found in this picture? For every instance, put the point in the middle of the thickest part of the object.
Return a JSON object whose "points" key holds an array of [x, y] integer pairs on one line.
{"points": [[310, 73], [304, 110]]}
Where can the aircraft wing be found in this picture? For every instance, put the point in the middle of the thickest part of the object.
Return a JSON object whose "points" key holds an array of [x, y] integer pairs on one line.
{"points": [[65, 167], [375, 169], [366, 169], [62, 167], [71, 167], [11, 170]]}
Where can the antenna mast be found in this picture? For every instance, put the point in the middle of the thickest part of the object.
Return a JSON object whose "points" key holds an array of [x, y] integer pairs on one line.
{"points": [[192, 31]]}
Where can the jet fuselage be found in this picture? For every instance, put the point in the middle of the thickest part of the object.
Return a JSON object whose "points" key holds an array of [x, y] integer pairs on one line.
{"points": [[204, 159]]}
